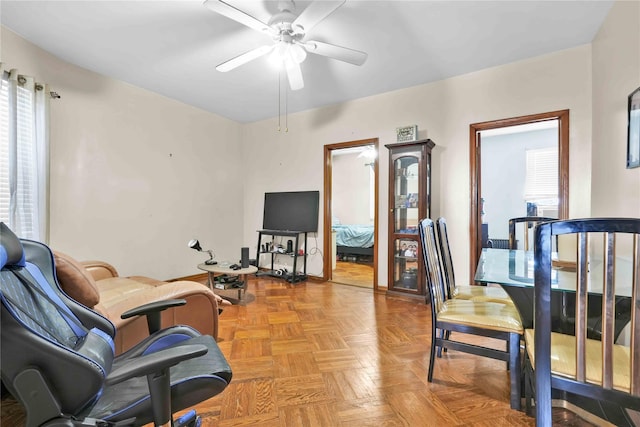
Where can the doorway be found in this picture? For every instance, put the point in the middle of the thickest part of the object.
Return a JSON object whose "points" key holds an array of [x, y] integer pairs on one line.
{"points": [[351, 212], [558, 122]]}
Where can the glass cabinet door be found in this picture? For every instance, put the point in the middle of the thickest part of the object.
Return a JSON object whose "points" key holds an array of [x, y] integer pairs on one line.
{"points": [[407, 195], [405, 268]]}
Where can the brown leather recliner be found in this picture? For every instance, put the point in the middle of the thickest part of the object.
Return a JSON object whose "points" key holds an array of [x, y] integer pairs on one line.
{"points": [[96, 284]]}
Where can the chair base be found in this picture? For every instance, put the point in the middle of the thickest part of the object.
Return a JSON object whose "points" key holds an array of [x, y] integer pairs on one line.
{"points": [[511, 355], [596, 412]]}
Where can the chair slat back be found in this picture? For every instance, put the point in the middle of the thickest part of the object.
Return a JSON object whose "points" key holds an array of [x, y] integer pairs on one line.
{"points": [[601, 259], [635, 320], [608, 309], [581, 305], [529, 222], [447, 260], [432, 264]]}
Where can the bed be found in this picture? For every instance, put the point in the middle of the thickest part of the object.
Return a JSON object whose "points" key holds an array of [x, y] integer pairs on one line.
{"points": [[354, 240]]}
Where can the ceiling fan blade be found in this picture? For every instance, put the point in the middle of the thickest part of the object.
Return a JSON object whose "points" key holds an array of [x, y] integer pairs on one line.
{"points": [[244, 58], [345, 54], [316, 12], [231, 12], [294, 74]]}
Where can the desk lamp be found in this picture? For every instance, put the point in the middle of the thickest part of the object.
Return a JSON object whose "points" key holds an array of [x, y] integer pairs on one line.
{"points": [[195, 244]]}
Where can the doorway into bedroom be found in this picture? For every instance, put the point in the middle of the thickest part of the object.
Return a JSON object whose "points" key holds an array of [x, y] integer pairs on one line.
{"points": [[350, 212]]}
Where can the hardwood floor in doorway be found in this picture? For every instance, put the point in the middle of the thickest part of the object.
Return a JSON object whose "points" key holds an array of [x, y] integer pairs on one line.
{"points": [[354, 274]]}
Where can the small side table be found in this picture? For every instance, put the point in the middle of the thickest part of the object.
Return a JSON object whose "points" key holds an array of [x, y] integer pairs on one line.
{"points": [[223, 268]]}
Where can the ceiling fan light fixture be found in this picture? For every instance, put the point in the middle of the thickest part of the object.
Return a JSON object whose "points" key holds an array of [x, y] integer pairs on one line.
{"points": [[279, 54], [298, 54], [285, 54]]}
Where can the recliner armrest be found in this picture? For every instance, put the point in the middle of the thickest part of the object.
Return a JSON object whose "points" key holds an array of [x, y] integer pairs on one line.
{"points": [[100, 269], [155, 362], [152, 311]]}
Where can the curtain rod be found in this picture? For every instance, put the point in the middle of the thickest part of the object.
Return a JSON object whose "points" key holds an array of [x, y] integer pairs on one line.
{"points": [[38, 86]]}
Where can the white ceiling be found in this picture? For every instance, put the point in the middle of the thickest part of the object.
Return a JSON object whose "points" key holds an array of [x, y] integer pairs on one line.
{"points": [[172, 47]]}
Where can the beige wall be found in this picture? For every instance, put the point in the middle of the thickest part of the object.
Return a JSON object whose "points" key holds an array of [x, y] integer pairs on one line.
{"points": [[135, 175], [443, 112], [350, 191], [616, 73]]}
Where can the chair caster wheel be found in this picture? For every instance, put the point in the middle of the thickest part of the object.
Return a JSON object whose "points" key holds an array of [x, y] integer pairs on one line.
{"points": [[190, 419]]}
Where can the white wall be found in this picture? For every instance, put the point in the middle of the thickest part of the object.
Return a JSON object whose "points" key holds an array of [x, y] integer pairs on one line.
{"points": [[118, 195], [504, 171], [443, 112], [616, 73], [135, 175], [350, 192]]}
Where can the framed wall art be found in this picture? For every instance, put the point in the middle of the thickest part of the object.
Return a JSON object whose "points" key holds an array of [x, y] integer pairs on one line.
{"points": [[633, 130]]}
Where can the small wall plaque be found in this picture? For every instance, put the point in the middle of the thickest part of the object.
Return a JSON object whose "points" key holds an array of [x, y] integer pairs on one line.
{"points": [[407, 133]]}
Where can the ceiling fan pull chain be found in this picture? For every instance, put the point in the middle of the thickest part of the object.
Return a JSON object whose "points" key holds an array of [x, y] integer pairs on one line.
{"points": [[279, 101], [286, 108]]}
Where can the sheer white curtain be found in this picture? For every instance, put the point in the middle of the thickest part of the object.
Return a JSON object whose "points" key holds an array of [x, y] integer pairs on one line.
{"points": [[24, 155]]}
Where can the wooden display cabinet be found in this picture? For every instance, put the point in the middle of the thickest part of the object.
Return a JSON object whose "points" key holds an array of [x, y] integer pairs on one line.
{"points": [[409, 202]]}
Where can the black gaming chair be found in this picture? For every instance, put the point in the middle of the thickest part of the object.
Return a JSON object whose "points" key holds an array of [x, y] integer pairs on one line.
{"points": [[57, 356]]}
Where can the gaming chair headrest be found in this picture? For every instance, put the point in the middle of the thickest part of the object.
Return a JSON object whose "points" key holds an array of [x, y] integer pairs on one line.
{"points": [[11, 252]]}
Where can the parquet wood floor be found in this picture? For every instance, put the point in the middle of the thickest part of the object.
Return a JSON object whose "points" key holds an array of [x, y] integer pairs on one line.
{"points": [[324, 354], [355, 274]]}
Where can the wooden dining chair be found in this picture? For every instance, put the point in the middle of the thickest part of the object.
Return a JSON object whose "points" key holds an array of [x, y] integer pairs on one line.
{"points": [[601, 370], [529, 222], [468, 292], [482, 318]]}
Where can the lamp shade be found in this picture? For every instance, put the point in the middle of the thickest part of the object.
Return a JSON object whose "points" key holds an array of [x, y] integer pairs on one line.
{"points": [[195, 244]]}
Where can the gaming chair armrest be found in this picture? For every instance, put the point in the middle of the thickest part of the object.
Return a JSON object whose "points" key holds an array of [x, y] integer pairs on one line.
{"points": [[155, 362], [152, 311]]}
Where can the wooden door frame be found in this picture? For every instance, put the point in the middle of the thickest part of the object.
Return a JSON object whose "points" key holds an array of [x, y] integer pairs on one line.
{"points": [[474, 158], [328, 171]]}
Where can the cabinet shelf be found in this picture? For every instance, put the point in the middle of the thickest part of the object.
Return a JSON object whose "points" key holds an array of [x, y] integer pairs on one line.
{"points": [[407, 258], [289, 254]]}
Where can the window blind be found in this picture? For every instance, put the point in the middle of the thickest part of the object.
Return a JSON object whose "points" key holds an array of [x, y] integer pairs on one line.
{"points": [[24, 202], [542, 174], [4, 153]]}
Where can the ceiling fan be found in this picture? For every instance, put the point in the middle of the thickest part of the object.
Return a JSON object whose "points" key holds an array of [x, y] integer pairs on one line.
{"points": [[288, 32]]}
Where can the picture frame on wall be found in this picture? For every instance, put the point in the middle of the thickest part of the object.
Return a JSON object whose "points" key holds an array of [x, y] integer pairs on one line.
{"points": [[633, 130]]}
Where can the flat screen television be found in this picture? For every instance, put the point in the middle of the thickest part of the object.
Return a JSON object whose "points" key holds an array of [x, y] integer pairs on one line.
{"points": [[291, 211]]}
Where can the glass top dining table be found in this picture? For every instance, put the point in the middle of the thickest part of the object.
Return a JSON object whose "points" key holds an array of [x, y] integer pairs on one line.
{"points": [[514, 271], [515, 268]]}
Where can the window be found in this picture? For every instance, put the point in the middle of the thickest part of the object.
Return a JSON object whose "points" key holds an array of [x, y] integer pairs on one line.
{"points": [[541, 185], [23, 157]]}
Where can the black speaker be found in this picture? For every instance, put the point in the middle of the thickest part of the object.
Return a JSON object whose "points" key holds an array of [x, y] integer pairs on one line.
{"points": [[289, 246], [244, 259]]}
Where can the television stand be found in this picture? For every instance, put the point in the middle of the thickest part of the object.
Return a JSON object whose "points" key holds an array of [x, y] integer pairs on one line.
{"points": [[294, 276]]}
